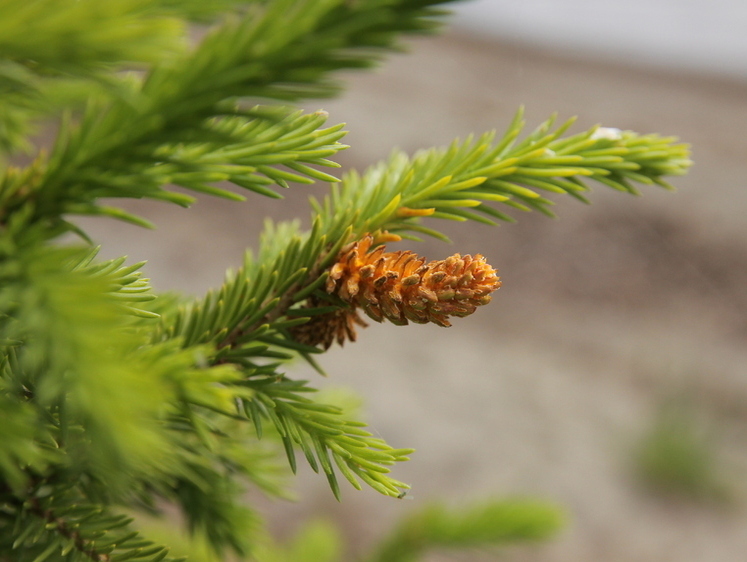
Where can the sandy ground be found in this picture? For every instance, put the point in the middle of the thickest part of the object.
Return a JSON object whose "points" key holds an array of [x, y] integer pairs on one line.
{"points": [[604, 313]]}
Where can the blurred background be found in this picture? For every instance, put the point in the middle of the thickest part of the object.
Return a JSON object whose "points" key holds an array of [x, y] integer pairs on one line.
{"points": [[608, 374]]}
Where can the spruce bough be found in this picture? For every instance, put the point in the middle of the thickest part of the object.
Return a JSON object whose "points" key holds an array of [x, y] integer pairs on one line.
{"points": [[115, 401]]}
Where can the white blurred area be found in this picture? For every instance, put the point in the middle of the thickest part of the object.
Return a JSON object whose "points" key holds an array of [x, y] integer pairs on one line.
{"points": [[707, 36]]}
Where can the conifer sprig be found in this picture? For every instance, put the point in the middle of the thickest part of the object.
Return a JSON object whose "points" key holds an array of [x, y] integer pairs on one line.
{"points": [[65, 525], [394, 196], [287, 49], [178, 124], [465, 181], [124, 282], [53, 53], [72, 369], [248, 325], [254, 320], [326, 438], [265, 146], [102, 403], [145, 133]]}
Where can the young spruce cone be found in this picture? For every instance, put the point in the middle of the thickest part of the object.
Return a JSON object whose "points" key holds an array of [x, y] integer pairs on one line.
{"points": [[399, 286]]}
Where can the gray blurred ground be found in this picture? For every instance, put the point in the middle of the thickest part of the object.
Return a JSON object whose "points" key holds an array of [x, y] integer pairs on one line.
{"points": [[603, 314]]}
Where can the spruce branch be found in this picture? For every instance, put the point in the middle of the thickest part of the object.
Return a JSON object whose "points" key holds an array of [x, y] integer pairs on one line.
{"points": [[285, 50], [291, 266], [124, 282], [70, 393], [65, 525], [59, 317], [264, 314], [131, 144], [53, 53], [111, 399], [325, 436], [465, 181], [320, 431], [264, 146], [183, 417]]}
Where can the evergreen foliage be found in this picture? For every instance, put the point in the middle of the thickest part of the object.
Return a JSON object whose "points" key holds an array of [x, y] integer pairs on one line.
{"points": [[113, 400]]}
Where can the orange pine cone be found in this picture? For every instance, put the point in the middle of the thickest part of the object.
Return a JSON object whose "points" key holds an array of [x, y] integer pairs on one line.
{"points": [[402, 287]]}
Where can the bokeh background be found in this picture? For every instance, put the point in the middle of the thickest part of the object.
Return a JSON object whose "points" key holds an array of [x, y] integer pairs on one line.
{"points": [[608, 374]]}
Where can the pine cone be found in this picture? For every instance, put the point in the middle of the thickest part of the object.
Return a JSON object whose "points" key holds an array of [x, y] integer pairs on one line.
{"points": [[402, 287]]}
